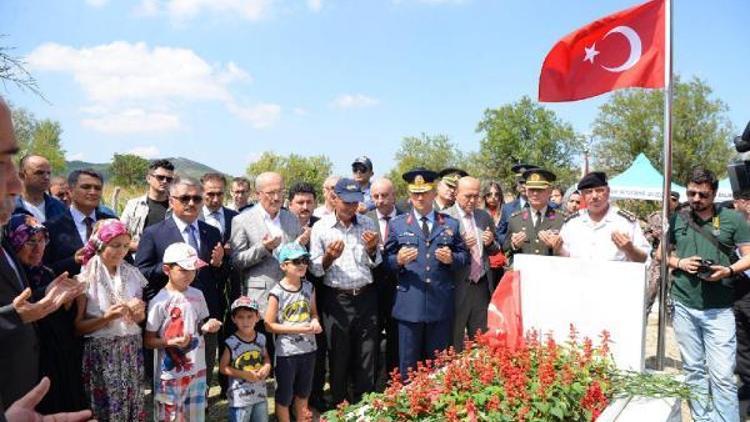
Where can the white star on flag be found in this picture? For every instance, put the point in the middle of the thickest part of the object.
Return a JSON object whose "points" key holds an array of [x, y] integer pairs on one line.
{"points": [[590, 53]]}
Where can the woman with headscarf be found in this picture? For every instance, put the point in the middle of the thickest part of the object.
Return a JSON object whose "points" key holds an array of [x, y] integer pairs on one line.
{"points": [[59, 349], [108, 317]]}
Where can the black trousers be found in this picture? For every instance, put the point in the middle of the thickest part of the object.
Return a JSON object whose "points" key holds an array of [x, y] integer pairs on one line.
{"points": [[742, 321], [472, 300], [387, 358], [351, 330]]}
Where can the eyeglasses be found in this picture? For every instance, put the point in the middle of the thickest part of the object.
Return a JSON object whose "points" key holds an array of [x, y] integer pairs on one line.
{"points": [[274, 193], [300, 261], [359, 169], [185, 199], [161, 178], [703, 195]]}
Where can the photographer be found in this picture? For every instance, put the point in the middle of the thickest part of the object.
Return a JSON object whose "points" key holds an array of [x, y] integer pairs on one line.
{"points": [[704, 238]]}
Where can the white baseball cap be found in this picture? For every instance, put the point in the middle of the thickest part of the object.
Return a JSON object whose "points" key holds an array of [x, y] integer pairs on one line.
{"points": [[183, 255]]}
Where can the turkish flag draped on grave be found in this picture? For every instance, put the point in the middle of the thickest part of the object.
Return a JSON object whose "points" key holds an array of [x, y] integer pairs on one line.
{"points": [[625, 49], [504, 321]]}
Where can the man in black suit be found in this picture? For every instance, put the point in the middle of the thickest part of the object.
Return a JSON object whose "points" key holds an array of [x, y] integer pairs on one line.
{"points": [[69, 231], [385, 209], [186, 198]]}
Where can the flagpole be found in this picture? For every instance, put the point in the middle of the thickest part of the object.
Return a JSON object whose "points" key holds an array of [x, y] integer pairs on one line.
{"points": [[667, 171]]}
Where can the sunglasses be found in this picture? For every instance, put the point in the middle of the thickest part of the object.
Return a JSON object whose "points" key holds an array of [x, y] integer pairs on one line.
{"points": [[185, 199], [161, 178], [703, 195], [300, 261], [359, 169]]}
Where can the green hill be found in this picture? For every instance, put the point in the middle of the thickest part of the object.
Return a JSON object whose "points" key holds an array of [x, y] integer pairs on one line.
{"points": [[183, 167]]}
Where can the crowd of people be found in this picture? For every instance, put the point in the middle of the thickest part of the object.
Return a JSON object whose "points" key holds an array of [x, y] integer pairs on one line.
{"points": [[122, 314]]}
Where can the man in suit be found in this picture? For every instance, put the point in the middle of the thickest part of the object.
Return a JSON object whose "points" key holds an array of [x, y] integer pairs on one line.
{"points": [[474, 284], [536, 229], [35, 172], [515, 205], [185, 199], [69, 232], [427, 252], [385, 280], [240, 192], [256, 233]]}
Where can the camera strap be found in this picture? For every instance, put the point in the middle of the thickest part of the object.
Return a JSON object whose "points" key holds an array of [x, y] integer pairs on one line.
{"points": [[723, 248]]}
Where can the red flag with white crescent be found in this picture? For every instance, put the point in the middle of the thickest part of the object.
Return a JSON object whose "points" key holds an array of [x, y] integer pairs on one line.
{"points": [[622, 50], [504, 313]]}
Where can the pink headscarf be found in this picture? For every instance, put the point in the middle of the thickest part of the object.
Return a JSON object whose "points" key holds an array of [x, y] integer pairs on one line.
{"points": [[106, 230]]}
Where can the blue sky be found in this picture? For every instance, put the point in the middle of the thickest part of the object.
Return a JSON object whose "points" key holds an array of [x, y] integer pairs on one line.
{"points": [[221, 81]]}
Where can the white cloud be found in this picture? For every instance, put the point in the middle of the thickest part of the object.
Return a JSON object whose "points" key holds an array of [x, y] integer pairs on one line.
{"points": [[147, 152], [315, 5], [184, 10], [345, 101], [97, 3], [260, 115], [134, 120]]}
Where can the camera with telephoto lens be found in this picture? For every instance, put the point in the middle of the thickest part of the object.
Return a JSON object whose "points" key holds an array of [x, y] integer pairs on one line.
{"points": [[704, 267], [739, 169]]}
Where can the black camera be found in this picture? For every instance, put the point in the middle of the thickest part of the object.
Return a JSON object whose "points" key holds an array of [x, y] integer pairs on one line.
{"points": [[742, 143], [704, 267]]}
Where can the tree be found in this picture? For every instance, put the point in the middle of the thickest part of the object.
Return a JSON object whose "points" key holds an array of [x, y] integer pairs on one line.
{"points": [[432, 152], [13, 70], [294, 168], [40, 137], [128, 170], [526, 132], [632, 122]]}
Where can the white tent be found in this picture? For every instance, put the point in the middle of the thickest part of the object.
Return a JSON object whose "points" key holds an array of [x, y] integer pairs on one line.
{"points": [[641, 181]]}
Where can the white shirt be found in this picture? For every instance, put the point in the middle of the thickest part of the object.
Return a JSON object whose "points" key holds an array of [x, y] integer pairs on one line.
{"points": [[214, 218], [181, 226], [37, 210], [97, 298], [430, 219], [78, 218], [322, 211], [584, 238], [383, 225], [273, 224]]}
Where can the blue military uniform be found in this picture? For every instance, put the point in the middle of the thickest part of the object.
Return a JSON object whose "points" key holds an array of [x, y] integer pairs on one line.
{"points": [[423, 306]]}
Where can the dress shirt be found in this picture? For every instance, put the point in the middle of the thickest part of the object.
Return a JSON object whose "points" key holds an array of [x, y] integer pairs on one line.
{"points": [[78, 218], [214, 218], [542, 213], [273, 224], [353, 269], [470, 224], [384, 224], [430, 219], [181, 226]]}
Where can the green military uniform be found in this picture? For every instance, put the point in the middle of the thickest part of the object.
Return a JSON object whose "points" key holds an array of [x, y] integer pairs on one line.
{"points": [[523, 221]]}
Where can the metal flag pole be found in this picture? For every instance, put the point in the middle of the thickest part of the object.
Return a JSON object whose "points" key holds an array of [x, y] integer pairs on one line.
{"points": [[667, 161]]}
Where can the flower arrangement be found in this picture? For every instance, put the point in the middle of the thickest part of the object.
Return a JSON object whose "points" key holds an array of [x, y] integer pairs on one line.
{"points": [[489, 381]]}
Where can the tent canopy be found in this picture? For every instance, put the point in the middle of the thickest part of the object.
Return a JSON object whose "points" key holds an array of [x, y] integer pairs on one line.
{"points": [[640, 181]]}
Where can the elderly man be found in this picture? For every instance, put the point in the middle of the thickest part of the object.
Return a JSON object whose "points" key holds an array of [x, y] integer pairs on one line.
{"points": [[58, 187], [69, 232], [602, 231], [240, 192], [362, 173], [446, 187], [256, 233], [344, 250], [328, 197], [35, 172], [536, 229], [474, 285], [427, 252], [515, 205], [385, 280], [185, 199], [151, 208]]}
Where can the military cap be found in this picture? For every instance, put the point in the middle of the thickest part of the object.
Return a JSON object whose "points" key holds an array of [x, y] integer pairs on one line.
{"points": [[420, 179], [538, 178], [594, 179], [520, 169], [348, 190], [451, 175]]}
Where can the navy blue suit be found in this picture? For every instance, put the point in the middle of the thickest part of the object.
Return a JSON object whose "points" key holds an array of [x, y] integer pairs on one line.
{"points": [[148, 258], [64, 241], [52, 207], [502, 225], [424, 302]]}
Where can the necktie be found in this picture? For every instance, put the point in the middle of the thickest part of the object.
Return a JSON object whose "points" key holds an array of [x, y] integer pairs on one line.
{"points": [[387, 219], [425, 228], [192, 239], [89, 222], [538, 218], [475, 271]]}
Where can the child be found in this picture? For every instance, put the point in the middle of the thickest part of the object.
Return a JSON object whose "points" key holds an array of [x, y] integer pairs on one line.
{"points": [[175, 328], [247, 364], [292, 315]]}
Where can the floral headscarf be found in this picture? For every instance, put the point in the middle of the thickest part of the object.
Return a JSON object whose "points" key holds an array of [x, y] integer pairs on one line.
{"points": [[20, 229], [106, 230]]}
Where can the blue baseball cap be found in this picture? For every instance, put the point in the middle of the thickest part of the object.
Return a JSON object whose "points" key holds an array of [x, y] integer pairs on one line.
{"points": [[349, 190], [290, 251]]}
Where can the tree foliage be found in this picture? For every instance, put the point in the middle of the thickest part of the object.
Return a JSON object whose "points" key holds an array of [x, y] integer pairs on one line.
{"points": [[294, 168], [526, 132], [432, 152], [632, 122], [40, 137], [128, 170], [13, 70]]}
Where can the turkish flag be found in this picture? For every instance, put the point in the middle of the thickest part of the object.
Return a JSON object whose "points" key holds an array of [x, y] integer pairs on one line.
{"points": [[504, 321], [622, 50]]}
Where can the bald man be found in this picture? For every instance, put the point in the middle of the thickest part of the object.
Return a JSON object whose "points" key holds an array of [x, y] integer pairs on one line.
{"points": [[35, 172], [328, 197], [474, 284]]}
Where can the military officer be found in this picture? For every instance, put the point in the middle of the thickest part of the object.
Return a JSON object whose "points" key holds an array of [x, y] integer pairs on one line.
{"points": [[446, 188], [426, 251], [536, 229], [518, 204], [602, 231]]}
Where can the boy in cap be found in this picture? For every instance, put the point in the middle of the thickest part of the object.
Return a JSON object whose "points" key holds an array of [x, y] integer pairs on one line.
{"points": [[362, 173], [247, 364], [177, 321], [292, 315]]}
